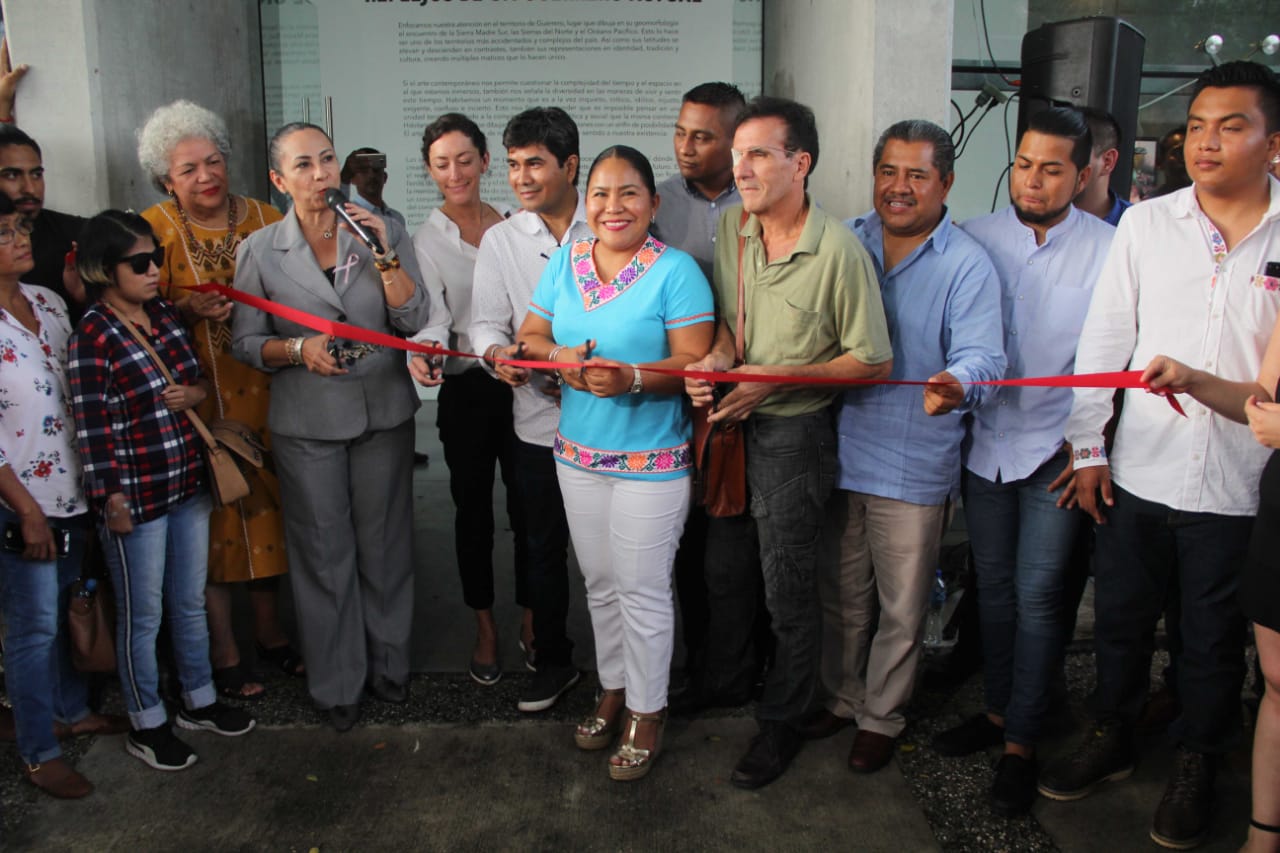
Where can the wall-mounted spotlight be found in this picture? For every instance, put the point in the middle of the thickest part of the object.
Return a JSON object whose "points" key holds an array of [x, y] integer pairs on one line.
{"points": [[1211, 45], [1270, 45]]}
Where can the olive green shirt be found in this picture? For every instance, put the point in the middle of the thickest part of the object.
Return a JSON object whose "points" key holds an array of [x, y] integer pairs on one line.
{"points": [[817, 303]]}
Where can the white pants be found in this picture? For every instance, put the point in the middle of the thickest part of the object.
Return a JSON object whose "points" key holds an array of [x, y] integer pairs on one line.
{"points": [[625, 534]]}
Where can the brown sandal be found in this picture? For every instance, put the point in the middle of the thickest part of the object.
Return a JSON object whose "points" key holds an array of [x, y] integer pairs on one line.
{"points": [[58, 779], [636, 762], [596, 731]]}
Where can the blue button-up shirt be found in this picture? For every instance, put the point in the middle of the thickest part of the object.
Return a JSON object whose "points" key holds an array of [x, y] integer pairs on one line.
{"points": [[942, 304], [1045, 293]]}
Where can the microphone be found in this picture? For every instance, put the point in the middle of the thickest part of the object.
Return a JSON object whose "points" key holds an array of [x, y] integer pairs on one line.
{"points": [[335, 199]]}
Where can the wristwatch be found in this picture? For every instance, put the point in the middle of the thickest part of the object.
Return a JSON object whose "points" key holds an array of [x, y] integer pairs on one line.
{"points": [[637, 383], [389, 261]]}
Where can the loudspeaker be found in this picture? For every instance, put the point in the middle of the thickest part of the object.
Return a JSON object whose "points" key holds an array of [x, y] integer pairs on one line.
{"points": [[1088, 62]]}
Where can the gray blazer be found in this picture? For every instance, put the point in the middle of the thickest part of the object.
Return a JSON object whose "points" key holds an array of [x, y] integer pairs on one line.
{"points": [[377, 393]]}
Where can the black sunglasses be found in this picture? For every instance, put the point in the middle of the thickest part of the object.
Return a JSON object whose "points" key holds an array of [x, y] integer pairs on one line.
{"points": [[142, 261]]}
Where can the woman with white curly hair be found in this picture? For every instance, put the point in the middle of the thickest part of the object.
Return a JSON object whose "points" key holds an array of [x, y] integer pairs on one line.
{"points": [[184, 149]]}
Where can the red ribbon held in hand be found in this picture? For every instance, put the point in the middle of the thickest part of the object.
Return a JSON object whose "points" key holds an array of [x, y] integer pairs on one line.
{"points": [[1115, 379]]}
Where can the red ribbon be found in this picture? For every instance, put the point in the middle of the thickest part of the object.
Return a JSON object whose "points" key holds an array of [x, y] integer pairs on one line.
{"points": [[1114, 379]]}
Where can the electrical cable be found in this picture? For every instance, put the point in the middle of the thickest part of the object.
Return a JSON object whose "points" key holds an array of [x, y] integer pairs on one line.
{"points": [[1008, 149], [995, 195], [986, 36], [960, 151], [1160, 98], [956, 140]]}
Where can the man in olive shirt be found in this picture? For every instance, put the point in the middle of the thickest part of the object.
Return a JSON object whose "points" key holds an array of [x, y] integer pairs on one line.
{"points": [[812, 310]]}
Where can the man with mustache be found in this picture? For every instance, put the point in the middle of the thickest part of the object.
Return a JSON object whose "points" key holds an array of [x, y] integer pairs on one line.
{"points": [[22, 180], [1047, 253], [899, 459]]}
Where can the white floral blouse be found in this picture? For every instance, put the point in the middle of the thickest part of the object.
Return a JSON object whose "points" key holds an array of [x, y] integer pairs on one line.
{"points": [[37, 431]]}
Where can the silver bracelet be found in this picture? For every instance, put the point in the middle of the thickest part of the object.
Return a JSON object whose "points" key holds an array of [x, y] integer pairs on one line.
{"points": [[555, 352], [293, 348]]}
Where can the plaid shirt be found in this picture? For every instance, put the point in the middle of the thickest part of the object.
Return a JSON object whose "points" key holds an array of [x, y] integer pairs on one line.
{"points": [[129, 440]]}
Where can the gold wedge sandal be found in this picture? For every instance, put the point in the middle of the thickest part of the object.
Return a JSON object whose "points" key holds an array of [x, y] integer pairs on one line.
{"points": [[596, 731], [636, 761]]}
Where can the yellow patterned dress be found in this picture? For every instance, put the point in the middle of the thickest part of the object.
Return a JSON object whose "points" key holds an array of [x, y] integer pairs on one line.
{"points": [[246, 539]]}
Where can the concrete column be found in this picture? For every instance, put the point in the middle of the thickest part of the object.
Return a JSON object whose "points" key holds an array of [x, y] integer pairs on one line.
{"points": [[99, 67], [860, 65]]}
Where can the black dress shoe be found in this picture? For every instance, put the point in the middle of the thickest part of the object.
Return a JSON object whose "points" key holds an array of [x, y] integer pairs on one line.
{"points": [[823, 724], [343, 717], [385, 690], [973, 735], [1014, 789], [768, 756]]}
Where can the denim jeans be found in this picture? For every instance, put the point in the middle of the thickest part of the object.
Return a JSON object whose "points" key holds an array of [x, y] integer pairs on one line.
{"points": [[548, 543], [791, 471], [160, 568], [42, 684], [1143, 547], [474, 417], [1021, 545]]}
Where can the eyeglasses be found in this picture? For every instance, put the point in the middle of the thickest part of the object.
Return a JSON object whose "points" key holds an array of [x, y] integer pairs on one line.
{"points": [[759, 153], [142, 261], [7, 234]]}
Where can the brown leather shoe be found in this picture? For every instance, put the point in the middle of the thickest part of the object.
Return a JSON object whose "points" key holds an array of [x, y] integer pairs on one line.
{"points": [[58, 779], [822, 724], [870, 751]]}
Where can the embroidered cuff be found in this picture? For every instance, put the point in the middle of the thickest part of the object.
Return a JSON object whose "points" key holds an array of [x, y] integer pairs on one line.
{"points": [[1088, 457]]}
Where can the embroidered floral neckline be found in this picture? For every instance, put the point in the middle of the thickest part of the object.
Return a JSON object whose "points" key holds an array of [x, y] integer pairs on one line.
{"points": [[596, 292]]}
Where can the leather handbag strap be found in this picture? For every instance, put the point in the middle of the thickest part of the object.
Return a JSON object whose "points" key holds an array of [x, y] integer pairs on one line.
{"points": [[739, 346], [196, 420]]}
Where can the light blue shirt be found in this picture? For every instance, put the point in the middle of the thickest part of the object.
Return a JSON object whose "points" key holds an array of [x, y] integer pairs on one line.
{"points": [[638, 436], [942, 304], [1045, 293]]}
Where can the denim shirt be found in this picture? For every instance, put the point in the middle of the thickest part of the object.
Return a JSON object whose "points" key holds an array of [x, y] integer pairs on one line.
{"points": [[942, 303]]}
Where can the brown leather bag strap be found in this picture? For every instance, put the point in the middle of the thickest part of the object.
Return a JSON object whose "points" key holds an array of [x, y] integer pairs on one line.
{"points": [[196, 420], [739, 345]]}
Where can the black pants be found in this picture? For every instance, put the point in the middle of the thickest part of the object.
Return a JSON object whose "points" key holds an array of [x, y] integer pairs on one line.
{"points": [[474, 418], [548, 543], [1143, 547]]}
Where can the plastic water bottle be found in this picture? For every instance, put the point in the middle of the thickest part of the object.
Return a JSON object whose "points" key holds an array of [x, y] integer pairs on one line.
{"points": [[934, 620]]}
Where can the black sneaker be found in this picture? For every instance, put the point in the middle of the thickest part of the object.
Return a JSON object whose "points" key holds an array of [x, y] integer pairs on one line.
{"points": [[1014, 788], [1105, 755], [768, 756], [1182, 818], [973, 735], [217, 718], [160, 748], [549, 684]]}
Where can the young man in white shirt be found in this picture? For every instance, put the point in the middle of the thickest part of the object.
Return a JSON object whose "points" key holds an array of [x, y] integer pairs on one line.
{"points": [[1185, 277], [542, 167]]}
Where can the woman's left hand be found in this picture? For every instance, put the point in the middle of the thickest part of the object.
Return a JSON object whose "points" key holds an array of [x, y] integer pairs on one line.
{"points": [[368, 220], [1264, 420], [179, 398], [607, 378]]}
